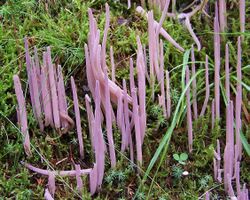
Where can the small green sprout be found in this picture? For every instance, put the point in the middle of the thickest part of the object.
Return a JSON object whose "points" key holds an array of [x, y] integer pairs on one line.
{"points": [[181, 158], [177, 172]]}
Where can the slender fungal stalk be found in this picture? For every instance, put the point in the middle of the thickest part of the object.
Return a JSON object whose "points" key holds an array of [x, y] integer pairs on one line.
{"points": [[89, 72], [137, 127], [207, 197], [105, 35], [57, 173], [219, 161], [212, 113], [217, 67], [78, 178], [237, 169], [140, 66], [37, 67], [227, 81], [168, 95], [47, 195], [204, 107], [189, 114], [230, 188], [99, 140], [119, 117], [90, 115], [222, 15], [229, 148], [152, 51], [37, 75], [238, 102], [131, 74], [129, 4], [78, 117], [46, 97], [127, 124], [145, 61], [112, 64], [22, 113], [215, 169], [63, 108], [36, 93], [162, 79], [242, 15], [52, 183], [93, 179], [194, 88], [108, 117], [28, 69], [53, 90]]}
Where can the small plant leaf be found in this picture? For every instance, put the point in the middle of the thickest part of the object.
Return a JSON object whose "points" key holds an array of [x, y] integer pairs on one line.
{"points": [[181, 162], [183, 157], [246, 145], [176, 157]]}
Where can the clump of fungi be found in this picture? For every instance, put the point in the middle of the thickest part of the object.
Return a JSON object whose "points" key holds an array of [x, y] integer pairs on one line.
{"points": [[50, 107]]}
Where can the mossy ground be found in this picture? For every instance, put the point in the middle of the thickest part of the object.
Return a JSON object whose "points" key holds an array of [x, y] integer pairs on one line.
{"points": [[64, 26]]}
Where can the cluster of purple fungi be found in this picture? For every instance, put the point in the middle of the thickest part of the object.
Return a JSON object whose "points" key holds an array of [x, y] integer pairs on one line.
{"points": [[115, 104]]}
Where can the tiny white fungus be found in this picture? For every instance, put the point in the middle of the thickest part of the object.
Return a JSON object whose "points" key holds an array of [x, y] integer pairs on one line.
{"points": [[185, 173]]}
